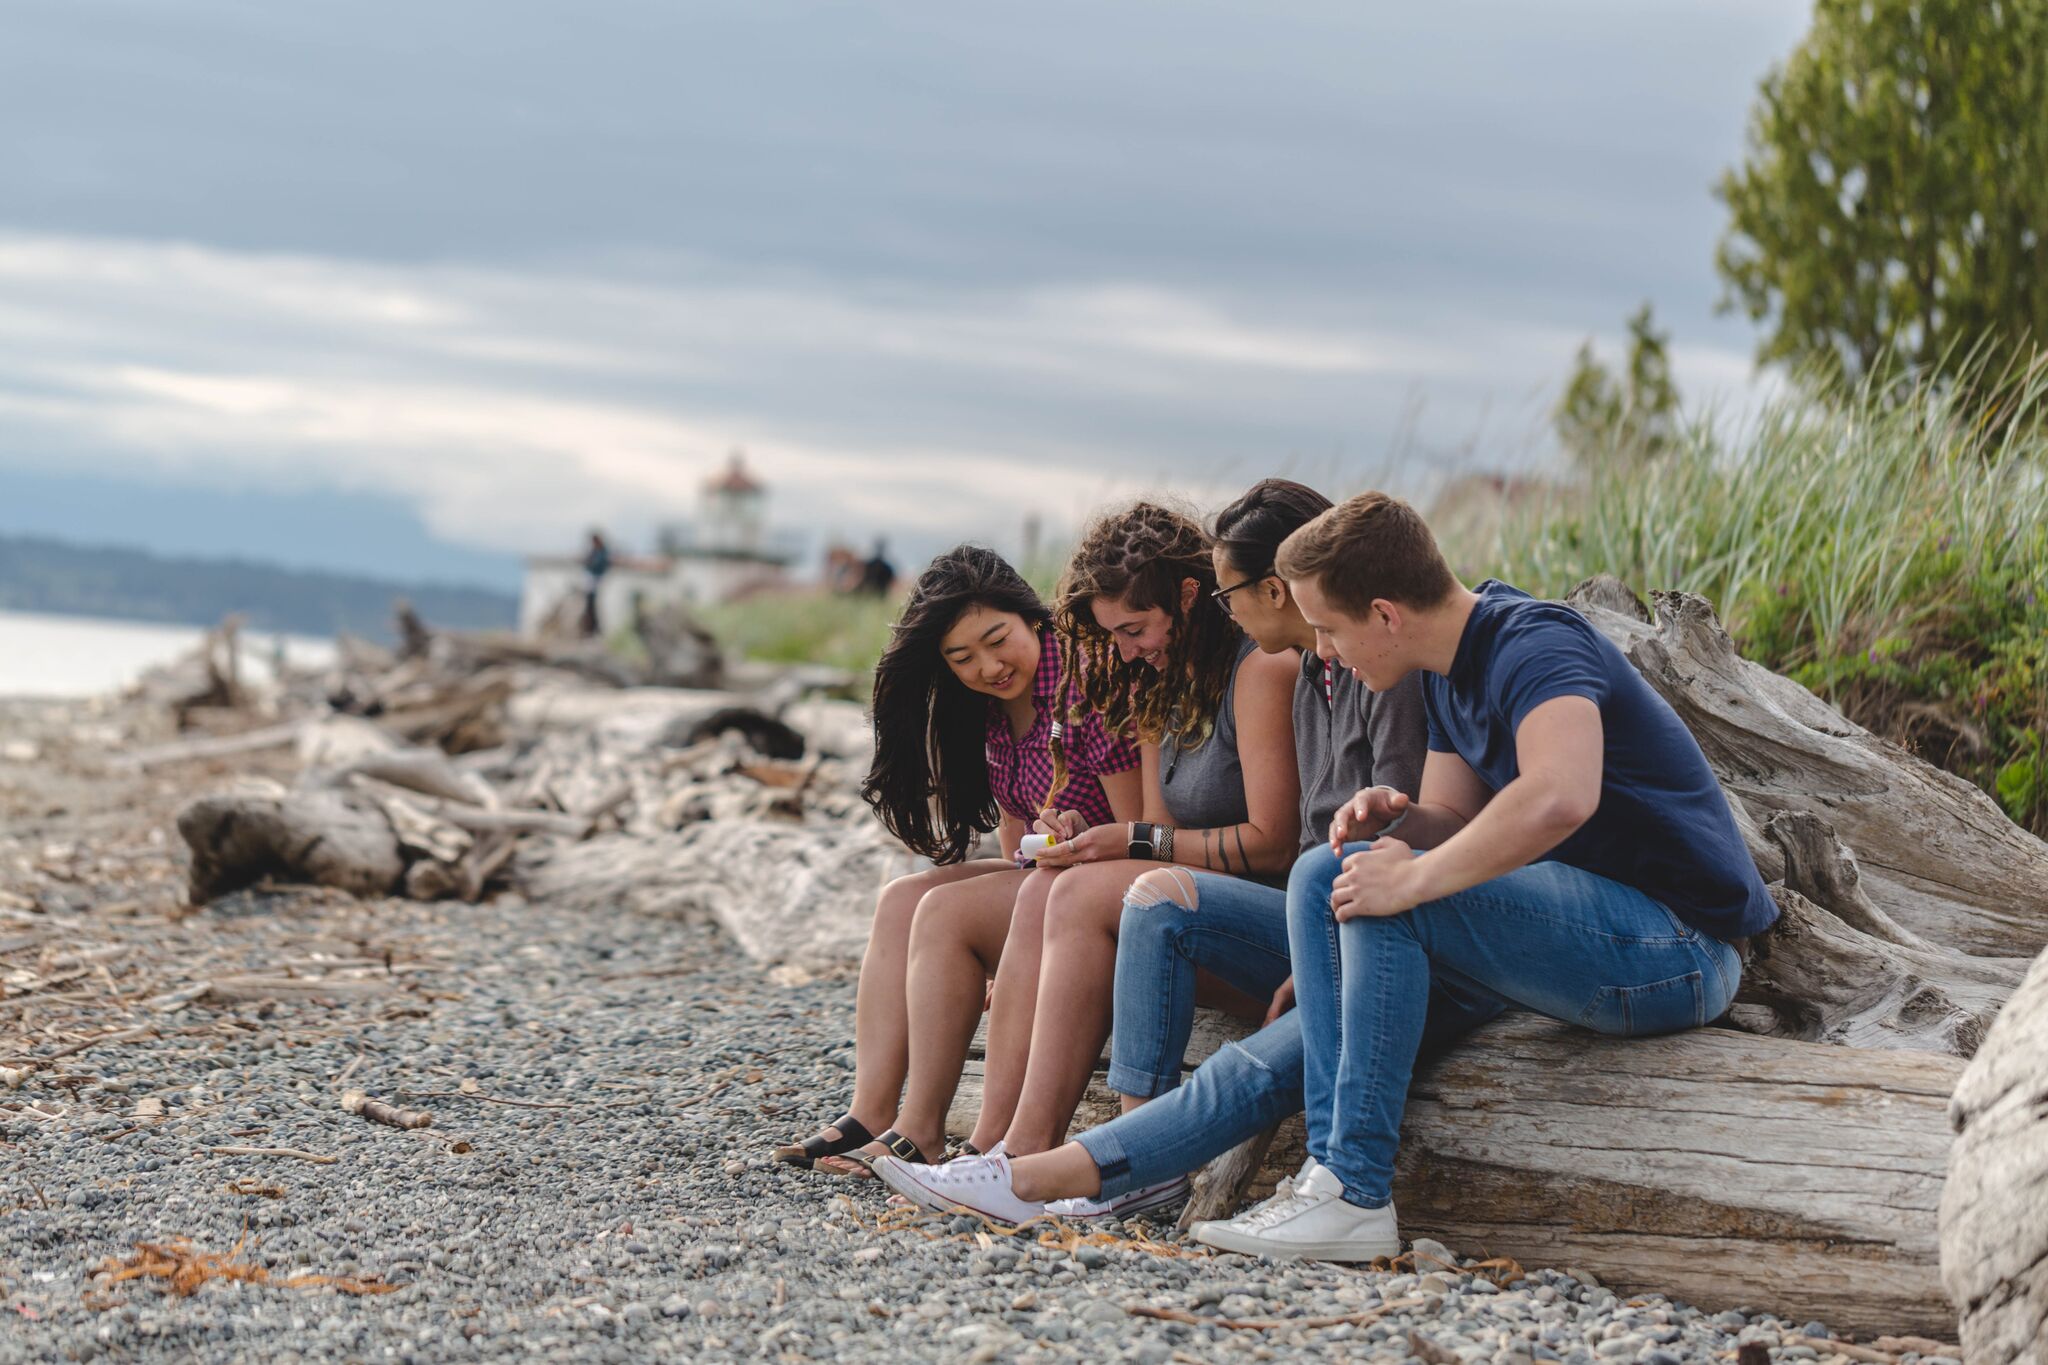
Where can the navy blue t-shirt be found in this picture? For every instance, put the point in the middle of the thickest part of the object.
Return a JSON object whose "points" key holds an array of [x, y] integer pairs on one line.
{"points": [[1663, 825]]}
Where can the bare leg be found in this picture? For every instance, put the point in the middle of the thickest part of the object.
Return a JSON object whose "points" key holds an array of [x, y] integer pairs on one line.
{"points": [[881, 1021], [1010, 1010], [956, 940], [1076, 998], [1065, 1172]]}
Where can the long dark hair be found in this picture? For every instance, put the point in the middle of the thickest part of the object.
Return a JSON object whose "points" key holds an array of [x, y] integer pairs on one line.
{"points": [[929, 780], [1139, 556], [1250, 530]]}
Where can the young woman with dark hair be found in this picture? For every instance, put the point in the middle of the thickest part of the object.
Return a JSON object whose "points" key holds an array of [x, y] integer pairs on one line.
{"points": [[965, 699], [1179, 929], [1160, 659]]}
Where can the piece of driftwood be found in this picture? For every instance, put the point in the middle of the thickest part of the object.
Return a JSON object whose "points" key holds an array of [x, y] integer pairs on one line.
{"points": [[390, 1115], [328, 838], [784, 893], [1938, 856], [1836, 969], [316, 1158], [210, 747], [1994, 1211], [1716, 1166]]}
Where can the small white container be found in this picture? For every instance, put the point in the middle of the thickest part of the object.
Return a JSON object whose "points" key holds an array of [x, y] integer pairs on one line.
{"points": [[1031, 845]]}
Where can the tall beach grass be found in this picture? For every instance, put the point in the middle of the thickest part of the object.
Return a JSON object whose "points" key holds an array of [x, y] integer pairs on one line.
{"points": [[1886, 546]]}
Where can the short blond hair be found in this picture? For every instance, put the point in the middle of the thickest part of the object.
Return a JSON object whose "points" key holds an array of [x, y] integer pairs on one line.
{"points": [[1369, 547]]}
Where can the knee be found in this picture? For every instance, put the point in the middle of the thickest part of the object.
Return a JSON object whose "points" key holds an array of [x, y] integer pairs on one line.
{"points": [[1027, 916], [1313, 873], [1072, 912], [930, 920], [897, 906], [1309, 883], [1159, 901]]}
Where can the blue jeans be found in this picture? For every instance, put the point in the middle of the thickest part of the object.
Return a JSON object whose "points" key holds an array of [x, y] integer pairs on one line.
{"points": [[1250, 1085], [1237, 929], [1246, 1088], [1547, 937]]}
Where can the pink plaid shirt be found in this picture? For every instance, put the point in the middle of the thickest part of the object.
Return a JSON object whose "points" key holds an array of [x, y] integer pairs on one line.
{"points": [[1020, 770]]}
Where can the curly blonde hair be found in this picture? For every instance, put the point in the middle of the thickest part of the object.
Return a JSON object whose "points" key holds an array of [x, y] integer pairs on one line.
{"points": [[1139, 556]]}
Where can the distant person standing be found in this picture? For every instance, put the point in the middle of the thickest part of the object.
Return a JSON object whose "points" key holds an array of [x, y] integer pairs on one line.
{"points": [[597, 562], [878, 575]]}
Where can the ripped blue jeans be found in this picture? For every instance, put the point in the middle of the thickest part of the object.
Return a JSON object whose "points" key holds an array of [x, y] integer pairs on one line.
{"points": [[1227, 925]]}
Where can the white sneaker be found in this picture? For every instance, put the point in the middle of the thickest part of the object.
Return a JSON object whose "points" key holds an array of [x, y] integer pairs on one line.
{"points": [[1312, 1222], [1130, 1201], [1282, 1192], [977, 1184]]}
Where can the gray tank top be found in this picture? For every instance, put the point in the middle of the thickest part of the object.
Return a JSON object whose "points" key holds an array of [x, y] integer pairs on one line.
{"points": [[1204, 786]]}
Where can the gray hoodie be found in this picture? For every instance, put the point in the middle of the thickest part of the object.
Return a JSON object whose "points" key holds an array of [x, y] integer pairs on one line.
{"points": [[1361, 739]]}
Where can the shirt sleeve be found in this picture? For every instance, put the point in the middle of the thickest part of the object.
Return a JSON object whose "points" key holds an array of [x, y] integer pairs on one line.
{"points": [[1546, 658], [1095, 750], [1398, 730], [1439, 739]]}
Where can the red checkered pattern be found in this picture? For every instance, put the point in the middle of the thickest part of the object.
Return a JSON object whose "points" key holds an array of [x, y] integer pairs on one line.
{"points": [[1020, 770]]}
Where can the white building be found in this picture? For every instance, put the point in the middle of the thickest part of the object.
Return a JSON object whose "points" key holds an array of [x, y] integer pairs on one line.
{"points": [[725, 553]]}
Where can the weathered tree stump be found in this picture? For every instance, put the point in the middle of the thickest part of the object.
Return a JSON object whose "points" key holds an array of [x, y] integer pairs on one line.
{"points": [[1994, 1211], [1938, 855]]}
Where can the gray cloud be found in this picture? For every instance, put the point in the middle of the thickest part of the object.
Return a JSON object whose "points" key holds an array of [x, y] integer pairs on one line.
{"points": [[529, 267]]}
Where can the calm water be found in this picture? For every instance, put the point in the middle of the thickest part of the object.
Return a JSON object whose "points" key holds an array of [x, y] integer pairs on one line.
{"points": [[76, 656]]}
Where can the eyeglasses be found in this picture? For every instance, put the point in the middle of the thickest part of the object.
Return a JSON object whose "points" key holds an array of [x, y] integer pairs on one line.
{"points": [[1222, 595]]}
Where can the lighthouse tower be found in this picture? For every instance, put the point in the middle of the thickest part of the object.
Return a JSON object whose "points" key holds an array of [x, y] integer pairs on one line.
{"points": [[734, 511]]}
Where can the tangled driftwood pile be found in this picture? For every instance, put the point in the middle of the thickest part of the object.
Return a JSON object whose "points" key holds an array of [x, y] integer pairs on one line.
{"points": [[462, 764]]}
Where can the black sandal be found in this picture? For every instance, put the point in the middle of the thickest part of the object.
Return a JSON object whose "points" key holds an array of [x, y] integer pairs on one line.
{"points": [[806, 1153], [900, 1147]]}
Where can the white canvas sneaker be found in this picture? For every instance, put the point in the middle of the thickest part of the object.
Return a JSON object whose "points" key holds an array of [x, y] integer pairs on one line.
{"points": [[1312, 1222], [979, 1184], [1130, 1201]]}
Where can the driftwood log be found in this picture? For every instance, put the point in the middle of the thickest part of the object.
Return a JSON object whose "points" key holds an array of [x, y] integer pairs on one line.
{"points": [[785, 893], [1994, 1212], [1724, 1168], [328, 838]]}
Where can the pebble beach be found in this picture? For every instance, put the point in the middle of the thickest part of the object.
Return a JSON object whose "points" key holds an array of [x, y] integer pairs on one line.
{"points": [[594, 1181]]}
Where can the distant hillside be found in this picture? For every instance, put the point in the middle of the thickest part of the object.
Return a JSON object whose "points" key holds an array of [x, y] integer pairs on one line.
{"points": [[77, 580]]}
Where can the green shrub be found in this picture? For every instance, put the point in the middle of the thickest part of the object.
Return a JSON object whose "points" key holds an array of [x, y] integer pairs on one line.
{"points": [[1886, 547]]}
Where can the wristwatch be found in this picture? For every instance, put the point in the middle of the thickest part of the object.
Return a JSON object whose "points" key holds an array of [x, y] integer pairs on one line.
{"points": [[1143, 840]]}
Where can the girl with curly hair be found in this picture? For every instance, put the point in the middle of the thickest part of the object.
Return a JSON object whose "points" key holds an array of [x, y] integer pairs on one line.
{"points": [[966, 698], [1158, 657]]}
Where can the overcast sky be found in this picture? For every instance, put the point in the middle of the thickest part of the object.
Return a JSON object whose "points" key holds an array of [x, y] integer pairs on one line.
{"points": [[416, 288]]}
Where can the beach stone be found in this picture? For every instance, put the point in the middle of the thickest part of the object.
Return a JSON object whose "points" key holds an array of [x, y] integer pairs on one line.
{"points": [[1429, 1252]]}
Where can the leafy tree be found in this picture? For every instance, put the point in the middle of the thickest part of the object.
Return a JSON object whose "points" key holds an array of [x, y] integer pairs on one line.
{"points": [[1634, 417], [1893, 200]]}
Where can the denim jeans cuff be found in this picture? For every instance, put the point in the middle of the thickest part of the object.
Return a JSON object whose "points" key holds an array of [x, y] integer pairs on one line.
{"points": [[1129, 1080], [1108, 1153]]}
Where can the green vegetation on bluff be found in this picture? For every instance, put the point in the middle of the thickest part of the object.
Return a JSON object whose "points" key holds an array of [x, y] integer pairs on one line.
{"points": [[1887, 547]]}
